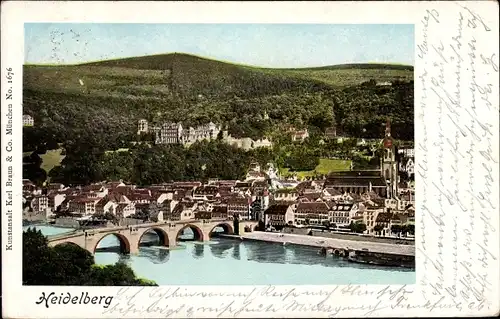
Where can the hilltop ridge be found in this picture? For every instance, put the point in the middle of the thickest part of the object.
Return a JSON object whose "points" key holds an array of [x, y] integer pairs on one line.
{"points": [[104, 99], [158, 61]]}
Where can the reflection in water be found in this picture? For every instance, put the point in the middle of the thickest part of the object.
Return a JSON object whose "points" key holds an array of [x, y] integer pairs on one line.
{"points": [[232, 262], [156, 255], [187, 235], [254, 263], [236, 252], [272, 253], [150, 238], [222, 247], [198, 251], [124, 258]]}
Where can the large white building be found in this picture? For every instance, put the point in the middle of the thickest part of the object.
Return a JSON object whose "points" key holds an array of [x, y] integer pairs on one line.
{"points": [[174, 133], [169, 133]]}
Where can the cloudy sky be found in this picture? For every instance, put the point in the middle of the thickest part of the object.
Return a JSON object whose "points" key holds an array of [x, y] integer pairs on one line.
{"points": [[265, 45]]}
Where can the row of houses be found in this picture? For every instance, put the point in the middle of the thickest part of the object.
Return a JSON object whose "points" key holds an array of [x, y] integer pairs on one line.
{"points": [[339, 214], [176, 201], [308, 203]]}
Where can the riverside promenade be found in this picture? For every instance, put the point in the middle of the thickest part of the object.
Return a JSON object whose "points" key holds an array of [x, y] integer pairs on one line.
{"points": [[314, 241]]}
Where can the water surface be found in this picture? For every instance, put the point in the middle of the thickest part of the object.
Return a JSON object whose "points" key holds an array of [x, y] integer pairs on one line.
{"points": [[232, 262]]}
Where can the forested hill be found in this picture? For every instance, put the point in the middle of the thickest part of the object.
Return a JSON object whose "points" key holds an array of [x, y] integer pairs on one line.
{"points": [[102, 101]]}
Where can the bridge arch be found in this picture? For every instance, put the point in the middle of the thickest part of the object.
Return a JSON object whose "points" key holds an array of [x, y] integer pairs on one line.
{"points": [[198, 233], [122, 239], [65, 243], [71, 240], [227, 229], [162, 234]]}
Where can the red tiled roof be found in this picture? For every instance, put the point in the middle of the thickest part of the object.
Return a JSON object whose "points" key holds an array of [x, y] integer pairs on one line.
{"points": [[219, 209], [312, 207], [138, 196], [206, 190], [331, 204], [85, 200], [344, 206], [187, 184], [92, 187], [333, 191], [383, 217], [229, 183], [303, 185], [121, 207], [143, 191], [238, 201], [243, 185], [277, 209], [281, 202], [311, 196]]}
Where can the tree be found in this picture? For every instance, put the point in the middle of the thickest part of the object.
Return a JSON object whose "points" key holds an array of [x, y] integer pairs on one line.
{"points": [[326, 223], [111, 217], [396, 229], [261, 226], [357, 227], [73, 264], [411, 229], [236, 224], [115, 275], [36, 258], [378, 228], [220, 135], [404, 229], [32, 169], [69, 264]]}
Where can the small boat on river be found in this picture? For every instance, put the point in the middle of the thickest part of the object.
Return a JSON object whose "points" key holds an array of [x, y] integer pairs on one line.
{"points": [[381, 259]]}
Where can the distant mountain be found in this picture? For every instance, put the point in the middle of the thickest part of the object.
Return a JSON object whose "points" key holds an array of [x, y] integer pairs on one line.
{"points": [[364, 66], [189, 75], [106, 98]]}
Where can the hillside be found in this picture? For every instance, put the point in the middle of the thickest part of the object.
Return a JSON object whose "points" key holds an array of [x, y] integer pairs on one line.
{"points": [[101, 101]]}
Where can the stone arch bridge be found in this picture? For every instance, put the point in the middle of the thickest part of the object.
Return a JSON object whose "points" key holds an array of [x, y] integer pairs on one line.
{"points": [[130, 236]]}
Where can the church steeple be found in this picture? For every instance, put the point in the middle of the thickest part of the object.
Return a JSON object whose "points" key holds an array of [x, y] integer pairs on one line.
{"points": [[389, 164], [388, 128]]}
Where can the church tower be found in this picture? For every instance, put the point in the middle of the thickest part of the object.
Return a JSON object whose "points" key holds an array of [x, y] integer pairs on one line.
{"points": [[389, 168]]}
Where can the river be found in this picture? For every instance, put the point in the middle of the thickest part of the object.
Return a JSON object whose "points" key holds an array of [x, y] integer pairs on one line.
{"points": [[232, 262]]}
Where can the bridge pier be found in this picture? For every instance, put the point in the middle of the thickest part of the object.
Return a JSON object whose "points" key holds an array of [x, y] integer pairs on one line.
{"points": [[130, 236]]}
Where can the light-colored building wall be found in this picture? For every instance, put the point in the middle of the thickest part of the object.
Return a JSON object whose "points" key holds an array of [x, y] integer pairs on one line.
{"points": [[55, 201], [142, 126], [40, 203], [28, 120]]}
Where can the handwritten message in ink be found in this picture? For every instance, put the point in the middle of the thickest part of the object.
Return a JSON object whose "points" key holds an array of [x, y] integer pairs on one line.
{"points": [[458, 162]]}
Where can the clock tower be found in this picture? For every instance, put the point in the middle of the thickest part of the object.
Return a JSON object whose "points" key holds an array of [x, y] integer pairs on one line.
{"points": [[389, 168]]}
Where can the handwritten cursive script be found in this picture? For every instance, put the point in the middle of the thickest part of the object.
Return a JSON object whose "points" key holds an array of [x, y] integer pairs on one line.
{"points": [[459, 163]]}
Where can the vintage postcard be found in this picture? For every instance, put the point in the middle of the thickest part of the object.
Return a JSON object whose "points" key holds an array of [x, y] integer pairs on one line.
{"points": [[209, 159]]}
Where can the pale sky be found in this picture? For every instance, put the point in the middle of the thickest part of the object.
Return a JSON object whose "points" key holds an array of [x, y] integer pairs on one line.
{"points": [[265, 45]]}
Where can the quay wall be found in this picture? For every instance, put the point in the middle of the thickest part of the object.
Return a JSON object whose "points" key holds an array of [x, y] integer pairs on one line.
{"points": [[131, 222], [67, 222], [34, 217], [327, 234], [313, 241], [385, 240]]}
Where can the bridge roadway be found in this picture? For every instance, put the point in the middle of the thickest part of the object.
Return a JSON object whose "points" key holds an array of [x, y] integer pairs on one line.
{"points": [[129, 237]]}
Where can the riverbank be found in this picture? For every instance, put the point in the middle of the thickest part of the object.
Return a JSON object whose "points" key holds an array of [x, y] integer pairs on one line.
{"points": [[253, 263], [27, 223], [313, 241]]}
